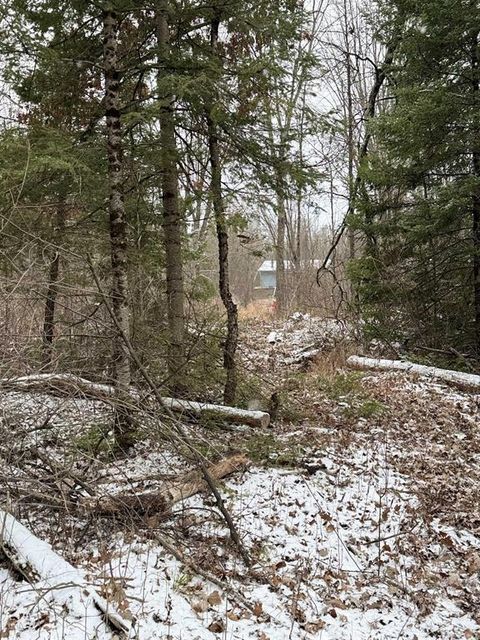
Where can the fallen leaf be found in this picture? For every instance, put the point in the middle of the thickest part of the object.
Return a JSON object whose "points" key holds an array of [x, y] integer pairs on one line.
{"points": [[233, 616], [214, 598], [216, 626]]}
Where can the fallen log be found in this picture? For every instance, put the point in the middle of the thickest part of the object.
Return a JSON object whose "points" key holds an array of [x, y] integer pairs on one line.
{"points": [[219, 411], [161, 502], [47, 571], [459, 378], [66, 383], [302, 357]]}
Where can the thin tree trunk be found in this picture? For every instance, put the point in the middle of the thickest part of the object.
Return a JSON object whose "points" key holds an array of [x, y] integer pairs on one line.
{"points": [[118, 228], [369, 113], [350, 141], [231, 340], [172, 219], [52, 291], [281, 283], [476, 196]]}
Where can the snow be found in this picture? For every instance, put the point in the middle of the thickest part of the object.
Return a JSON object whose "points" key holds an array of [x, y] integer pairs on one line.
{"points": [[57, 580], [459, 377], [372, 532]]}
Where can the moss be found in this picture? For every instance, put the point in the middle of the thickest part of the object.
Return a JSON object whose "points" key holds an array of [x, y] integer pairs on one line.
{"points": [[96, 441], [265, 448], [341, 384], [368, 408]]}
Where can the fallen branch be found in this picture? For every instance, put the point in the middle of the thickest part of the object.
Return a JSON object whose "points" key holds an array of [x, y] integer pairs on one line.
{"points": [[303, 357], [230, 414], [232, 594], [158, 502], [70, 384], [466, 380], [178, 432], [46, 570]]}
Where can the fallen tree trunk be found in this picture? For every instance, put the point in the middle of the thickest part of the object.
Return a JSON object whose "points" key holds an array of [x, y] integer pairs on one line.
{"points": [[47, 571], [303, 357], [219, 411], [466, 380], [161, 502], [68, 383]]}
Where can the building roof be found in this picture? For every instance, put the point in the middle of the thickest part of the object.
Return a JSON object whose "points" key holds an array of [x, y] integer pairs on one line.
{"points": [[269, 266]]}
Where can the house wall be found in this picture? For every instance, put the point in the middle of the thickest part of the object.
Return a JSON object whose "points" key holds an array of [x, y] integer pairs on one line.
{"points": [[267, 279]]}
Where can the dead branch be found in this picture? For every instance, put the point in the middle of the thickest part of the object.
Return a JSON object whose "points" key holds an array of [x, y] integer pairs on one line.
{"points": [[37, 561], [69, 384], [158, 502]]}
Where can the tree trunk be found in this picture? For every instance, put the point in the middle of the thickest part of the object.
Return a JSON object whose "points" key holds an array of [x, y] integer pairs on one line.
{"points": [[161, 501], [37, 561], [350, 126], [463, 380], [476, 196], [118, 228], [52, 291], [172, 219], [231, 340], [280, 291], [369, 113]]}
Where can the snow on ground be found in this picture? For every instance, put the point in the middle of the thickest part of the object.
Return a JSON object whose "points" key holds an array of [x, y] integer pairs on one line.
{"points": [[371, 531]]}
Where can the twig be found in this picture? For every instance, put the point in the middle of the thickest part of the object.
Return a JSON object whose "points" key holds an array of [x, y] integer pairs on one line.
{"points": [[177, 425]]}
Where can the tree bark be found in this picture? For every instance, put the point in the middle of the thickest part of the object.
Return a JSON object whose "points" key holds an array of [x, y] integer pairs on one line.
{"points": [[161, 502], [459, 378], [281, 283], [52, 291], [231, 340], [476, 194], [350, 126], [172, 219], [124, 431], [72, 385]]}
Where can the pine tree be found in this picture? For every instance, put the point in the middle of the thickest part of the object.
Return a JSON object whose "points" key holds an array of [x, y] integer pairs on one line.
{"points": [[419, 277]]}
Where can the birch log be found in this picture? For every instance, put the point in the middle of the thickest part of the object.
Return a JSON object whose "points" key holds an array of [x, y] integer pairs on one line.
{"points": [[47, 571], [68, 383], [160, 502], [466, 380]]}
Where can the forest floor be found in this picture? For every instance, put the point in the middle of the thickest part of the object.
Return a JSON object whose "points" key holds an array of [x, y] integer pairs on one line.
{"points": [[361, 509]]}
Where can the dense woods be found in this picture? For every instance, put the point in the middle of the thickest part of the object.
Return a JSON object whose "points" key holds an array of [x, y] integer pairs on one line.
{"points": [[210, 215], [137, 133]]}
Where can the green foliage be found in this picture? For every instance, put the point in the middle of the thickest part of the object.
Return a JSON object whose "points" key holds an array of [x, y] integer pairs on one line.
{"points": [[416, 281], [96, 441], [267, 449], [347, 389], [341, 384]]}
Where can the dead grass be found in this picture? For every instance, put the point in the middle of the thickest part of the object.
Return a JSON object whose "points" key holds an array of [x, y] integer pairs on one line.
{"points": [[257, 310], [328, 363]]}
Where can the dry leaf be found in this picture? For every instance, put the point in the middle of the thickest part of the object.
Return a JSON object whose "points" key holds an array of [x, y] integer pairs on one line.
{"points": [[200, 606], [216, 626], [233, 616], [314, 627], [214, 598]]}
